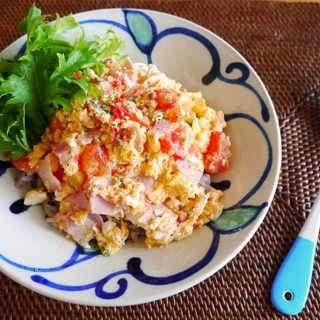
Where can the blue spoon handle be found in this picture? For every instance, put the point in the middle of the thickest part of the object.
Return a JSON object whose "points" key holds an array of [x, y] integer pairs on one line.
{"points": [[291, 285]]}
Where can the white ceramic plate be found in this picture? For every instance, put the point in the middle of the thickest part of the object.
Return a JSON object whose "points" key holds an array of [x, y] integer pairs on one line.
{"points": [[40, 258]]}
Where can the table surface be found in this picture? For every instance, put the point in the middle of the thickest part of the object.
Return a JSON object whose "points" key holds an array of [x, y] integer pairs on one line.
{"points": [[281, 41]]}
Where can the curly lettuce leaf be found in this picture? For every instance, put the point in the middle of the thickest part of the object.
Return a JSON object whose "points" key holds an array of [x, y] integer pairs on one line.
{"points": [[40, 81]]}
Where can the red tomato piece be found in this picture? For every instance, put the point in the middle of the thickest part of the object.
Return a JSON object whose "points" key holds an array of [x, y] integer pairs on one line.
{"points": [[166, 99], [93, 160], [59, 173], [165, 144], [173, 114], [217, 154], [22, 164], [77, 75], [172, 143]]}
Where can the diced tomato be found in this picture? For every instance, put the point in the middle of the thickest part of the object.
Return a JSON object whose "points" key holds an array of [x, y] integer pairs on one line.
{"points": [[56, 167], [165, 145], [172, 143], [173, 114], [77, 75], [176, 135], [166, 99], [93, 160], [217, 154], [59, 173], [22, 164]]}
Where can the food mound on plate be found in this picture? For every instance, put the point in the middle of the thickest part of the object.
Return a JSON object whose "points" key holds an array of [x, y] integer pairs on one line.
{"points": [[133, 161]]}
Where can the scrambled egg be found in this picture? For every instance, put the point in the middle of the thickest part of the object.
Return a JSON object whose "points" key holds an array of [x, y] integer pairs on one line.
{"points": [[133, 159]]}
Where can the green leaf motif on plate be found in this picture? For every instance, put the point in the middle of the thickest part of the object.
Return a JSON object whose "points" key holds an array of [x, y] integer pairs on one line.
{"points": [[232, 220], [141, 29]]}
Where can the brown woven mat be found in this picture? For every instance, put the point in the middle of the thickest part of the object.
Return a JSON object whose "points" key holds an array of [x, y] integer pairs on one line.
{"points": [[282, 42]]}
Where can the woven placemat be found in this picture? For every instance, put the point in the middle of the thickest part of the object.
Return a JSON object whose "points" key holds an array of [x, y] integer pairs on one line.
{"points": [[281, 41]]}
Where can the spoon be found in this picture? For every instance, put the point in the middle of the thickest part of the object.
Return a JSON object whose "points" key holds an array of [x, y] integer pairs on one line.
{"points": [[291, 284]]}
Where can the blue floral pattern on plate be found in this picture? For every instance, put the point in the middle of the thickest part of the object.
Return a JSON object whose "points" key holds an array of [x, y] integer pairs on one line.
{"points": [[146, 31]]}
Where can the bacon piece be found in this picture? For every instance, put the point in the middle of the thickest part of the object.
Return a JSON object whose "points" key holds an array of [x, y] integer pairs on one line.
{"points": [[74, 203], [186, 168], [86, 137], [101, 205], [62, 151], [81, 233], [147, 181], [48, 178], [75, 219], [161, 127], [153, 212]]}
